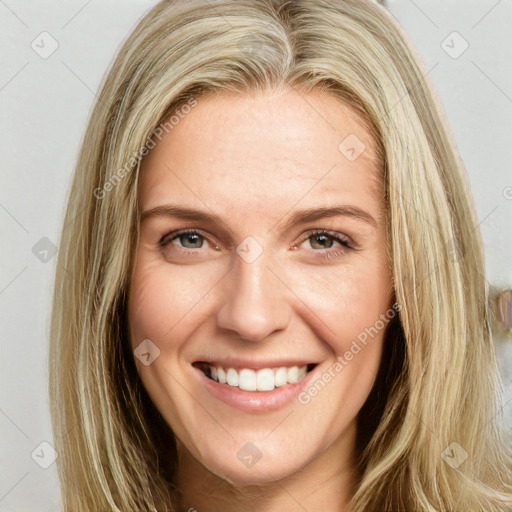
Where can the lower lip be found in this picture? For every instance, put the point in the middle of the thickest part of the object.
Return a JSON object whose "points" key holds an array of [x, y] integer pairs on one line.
{"points": [[255, 402]]}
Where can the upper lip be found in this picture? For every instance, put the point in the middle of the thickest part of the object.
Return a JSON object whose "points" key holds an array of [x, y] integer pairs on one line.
{"points": [[254, 363]]}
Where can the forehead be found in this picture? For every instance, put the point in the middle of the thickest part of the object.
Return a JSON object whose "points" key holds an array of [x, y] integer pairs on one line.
{"points": [[266, 149]]}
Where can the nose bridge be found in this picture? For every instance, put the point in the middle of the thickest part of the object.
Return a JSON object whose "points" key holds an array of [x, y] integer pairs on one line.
{"points": [[254, 303]]}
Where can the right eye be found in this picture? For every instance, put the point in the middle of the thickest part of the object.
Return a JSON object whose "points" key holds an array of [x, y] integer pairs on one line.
{"points": [[186, 239]]}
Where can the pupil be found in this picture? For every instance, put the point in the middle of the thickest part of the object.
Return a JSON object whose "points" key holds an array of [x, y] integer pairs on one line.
{"points": [[322, 239], [191, 238]]}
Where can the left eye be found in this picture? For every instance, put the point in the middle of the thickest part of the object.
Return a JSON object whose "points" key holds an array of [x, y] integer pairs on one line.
{"points": [[326, 240], [321, 241]]}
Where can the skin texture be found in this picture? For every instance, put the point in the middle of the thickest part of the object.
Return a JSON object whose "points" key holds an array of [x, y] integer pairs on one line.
{"points": [[253, 160]]}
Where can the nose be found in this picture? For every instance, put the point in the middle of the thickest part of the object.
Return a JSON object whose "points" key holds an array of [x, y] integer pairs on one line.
{"points": [[254, 302]]}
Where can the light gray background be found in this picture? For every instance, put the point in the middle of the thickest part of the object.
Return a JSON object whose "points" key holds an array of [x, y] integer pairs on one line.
{"points": [[45, 104]]}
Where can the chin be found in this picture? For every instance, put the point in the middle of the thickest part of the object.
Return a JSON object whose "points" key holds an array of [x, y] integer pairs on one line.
{"points": [[262, 473], [243, 464]]}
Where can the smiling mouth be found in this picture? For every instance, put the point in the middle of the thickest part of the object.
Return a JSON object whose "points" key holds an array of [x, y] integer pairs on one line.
{"points": [[247, 379]]}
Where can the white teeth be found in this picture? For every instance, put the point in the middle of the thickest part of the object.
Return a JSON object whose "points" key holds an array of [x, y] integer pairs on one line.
{"points": [[221, 375], [281, 377], [265, 379], [247, 380], [292, 374], [232, 377]]}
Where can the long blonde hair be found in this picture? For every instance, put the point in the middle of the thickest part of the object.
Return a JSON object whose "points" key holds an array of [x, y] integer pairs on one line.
{"points": [[436, 398]]}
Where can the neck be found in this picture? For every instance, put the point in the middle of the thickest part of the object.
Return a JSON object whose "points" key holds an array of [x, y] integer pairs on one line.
{"points": [[326, 483]]}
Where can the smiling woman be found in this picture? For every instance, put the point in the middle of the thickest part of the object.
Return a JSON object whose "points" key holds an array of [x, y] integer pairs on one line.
{"points": [[230, 326], [265, 312]]}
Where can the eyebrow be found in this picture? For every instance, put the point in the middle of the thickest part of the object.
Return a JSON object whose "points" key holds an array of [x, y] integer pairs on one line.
{"points": [[298, 217]]}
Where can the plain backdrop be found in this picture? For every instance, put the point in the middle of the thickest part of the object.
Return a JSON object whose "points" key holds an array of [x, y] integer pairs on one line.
{"points": [[53, 57]]}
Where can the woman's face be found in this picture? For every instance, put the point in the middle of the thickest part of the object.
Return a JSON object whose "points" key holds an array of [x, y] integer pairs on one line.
{"points": [[261, 261]]}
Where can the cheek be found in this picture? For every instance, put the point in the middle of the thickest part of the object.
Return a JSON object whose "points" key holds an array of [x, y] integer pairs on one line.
{"points": [[346, 307], [348, 303], [346, 300], [164, 301], [148, 304]]}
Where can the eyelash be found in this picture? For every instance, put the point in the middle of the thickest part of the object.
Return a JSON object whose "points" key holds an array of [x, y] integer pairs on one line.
{"points": [[341, 239], [338, 237]]}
